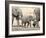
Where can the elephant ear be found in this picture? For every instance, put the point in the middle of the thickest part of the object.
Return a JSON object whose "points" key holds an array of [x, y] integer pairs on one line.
{"points": [[31, 17], [19, 11], [14, 11], [37, 11]]}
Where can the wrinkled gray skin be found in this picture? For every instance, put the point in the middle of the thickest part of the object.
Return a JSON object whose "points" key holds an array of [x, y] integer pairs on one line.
{"points": [[37, 13], [27, 20], [16, 13]]}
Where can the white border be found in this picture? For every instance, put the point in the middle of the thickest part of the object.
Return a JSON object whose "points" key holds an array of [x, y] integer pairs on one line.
{"points": [[25, 32]]}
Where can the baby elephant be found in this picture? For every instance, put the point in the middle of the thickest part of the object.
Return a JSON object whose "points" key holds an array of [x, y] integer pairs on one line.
{"points": [[27, 20]]}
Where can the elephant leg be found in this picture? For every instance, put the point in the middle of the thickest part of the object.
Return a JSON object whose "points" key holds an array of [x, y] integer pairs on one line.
{"points": [[30, 24], [37, 24], [22, 23], [34, 24], [12, 19], [18, 22], [25, 24]]}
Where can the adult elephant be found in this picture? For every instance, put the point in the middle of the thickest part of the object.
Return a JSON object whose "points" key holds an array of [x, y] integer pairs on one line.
{"points": [[16, 12], [27, 20], [37, 14]]}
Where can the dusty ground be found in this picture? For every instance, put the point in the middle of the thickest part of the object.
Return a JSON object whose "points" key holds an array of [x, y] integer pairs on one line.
{"points": [[22, 28]]}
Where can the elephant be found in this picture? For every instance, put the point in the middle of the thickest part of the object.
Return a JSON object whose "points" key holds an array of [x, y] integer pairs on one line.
{"points": [[27, 20], [16, 13], [37, 13]]}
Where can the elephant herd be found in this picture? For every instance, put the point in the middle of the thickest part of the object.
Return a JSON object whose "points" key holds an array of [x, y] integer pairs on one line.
{"points": [[17, 13]]}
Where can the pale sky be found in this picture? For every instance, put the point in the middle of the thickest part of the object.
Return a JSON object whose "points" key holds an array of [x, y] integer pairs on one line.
{"points": [[27, 11]]}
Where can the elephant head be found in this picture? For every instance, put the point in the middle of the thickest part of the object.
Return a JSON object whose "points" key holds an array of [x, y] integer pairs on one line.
{"points": [[37, 13], [16, 11]]}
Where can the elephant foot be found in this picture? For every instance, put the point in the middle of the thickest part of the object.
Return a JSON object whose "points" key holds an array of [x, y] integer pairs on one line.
{"points": [[34, 25], [30, 25]]}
